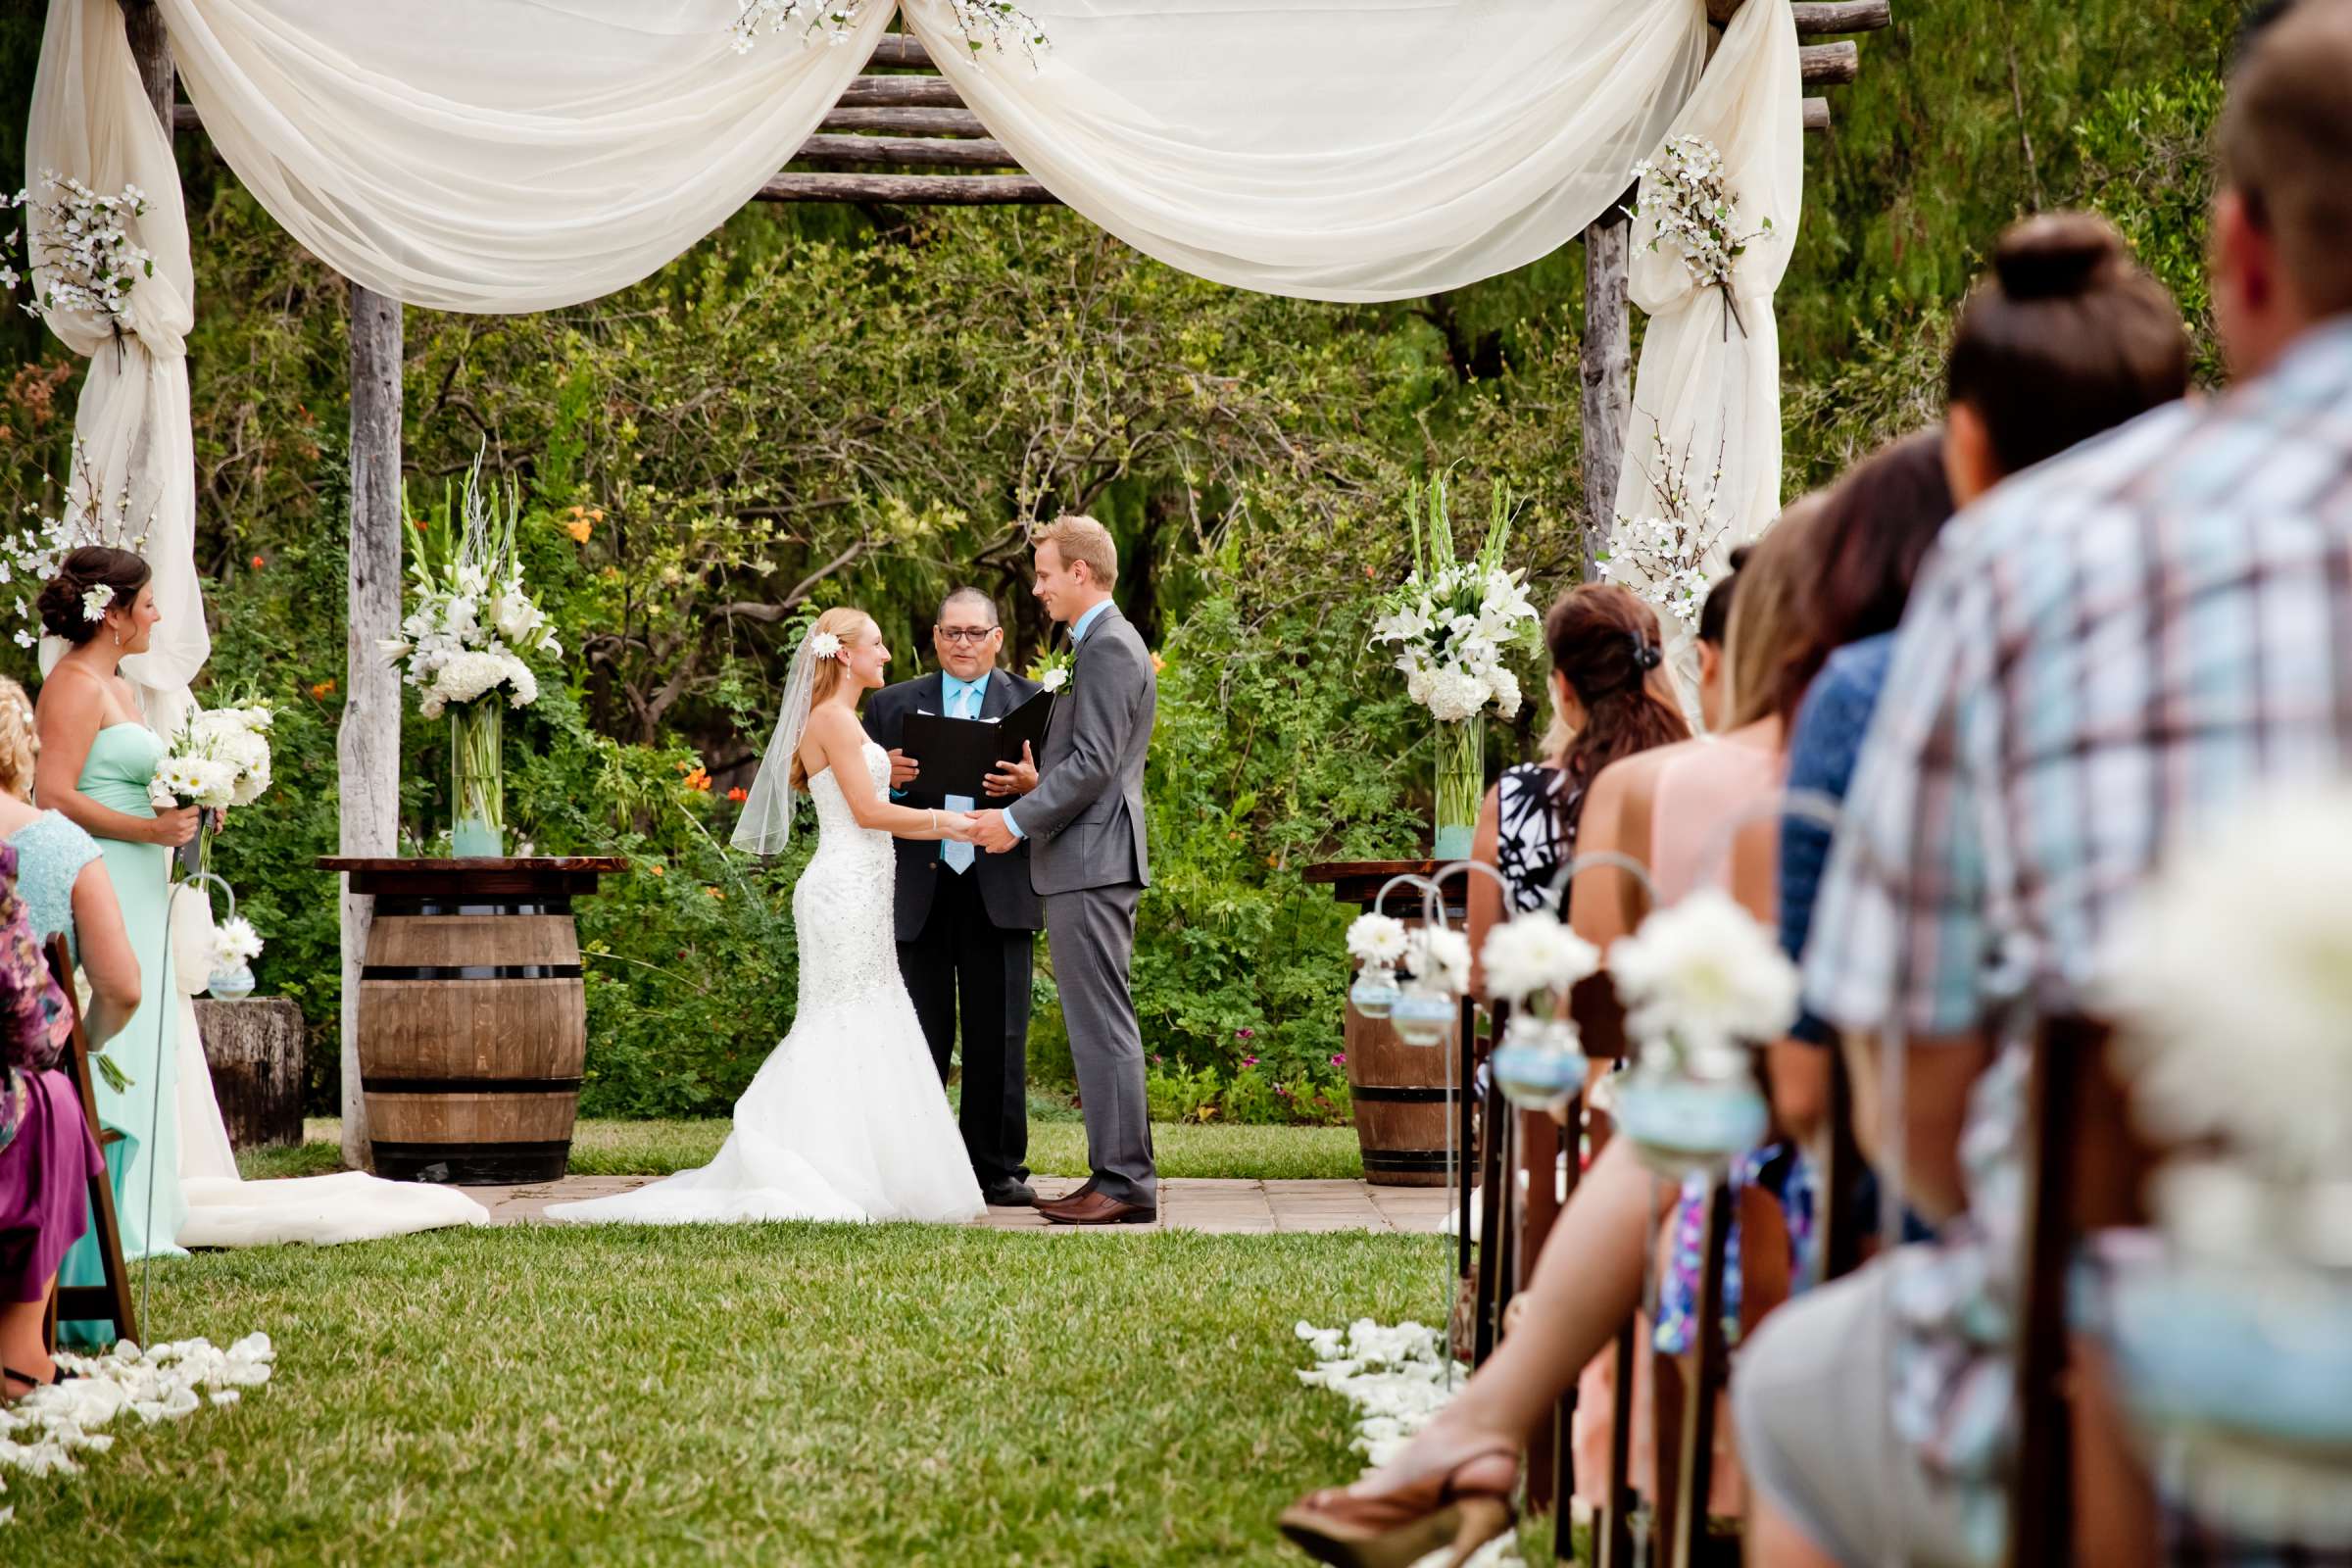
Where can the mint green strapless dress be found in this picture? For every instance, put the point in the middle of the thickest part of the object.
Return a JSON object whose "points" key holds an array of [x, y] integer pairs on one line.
{"points": [[145, 1164]]}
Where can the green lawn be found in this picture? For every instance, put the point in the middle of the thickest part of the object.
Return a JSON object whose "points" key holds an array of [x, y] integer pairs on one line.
{"points": [[1057, 1148], [758, 1394]]}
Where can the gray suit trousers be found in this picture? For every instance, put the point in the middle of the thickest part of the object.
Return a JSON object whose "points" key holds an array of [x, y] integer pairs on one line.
{"points": [[1093, 935]]}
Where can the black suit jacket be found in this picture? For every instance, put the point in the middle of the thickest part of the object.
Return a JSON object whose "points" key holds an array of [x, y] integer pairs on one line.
{"points": [[1012, 904]]}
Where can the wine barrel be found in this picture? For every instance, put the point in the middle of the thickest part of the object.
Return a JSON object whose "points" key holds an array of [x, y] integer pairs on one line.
{"points": [[473, 1028], [1401, 1107]]}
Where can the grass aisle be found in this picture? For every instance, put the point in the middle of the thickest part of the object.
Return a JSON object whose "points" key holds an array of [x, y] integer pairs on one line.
{"points": [[771, 1393], [1057, 1148]]}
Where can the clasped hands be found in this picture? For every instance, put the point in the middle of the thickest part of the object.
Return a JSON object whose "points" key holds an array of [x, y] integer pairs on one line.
{"points": [[987, 829]]}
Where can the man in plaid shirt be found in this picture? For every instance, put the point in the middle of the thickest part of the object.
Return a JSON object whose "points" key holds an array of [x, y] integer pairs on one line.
{"points": [[2106, 655]]}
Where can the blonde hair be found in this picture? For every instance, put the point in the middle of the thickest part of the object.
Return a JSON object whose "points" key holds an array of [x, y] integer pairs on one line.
{"points": [[1766, 616], [825, 678], [1079, 539], [18, 743]]}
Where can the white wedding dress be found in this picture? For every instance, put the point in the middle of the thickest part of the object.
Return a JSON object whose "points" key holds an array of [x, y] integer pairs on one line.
{"points": [[846, 1120]]}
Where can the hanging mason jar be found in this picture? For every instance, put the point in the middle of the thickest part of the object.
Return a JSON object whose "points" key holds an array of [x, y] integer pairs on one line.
{"points": [[1690, 1113], [1540, 1064]]}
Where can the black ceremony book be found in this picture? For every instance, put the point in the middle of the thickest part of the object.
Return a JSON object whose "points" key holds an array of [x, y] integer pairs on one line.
{"points": [[959, 754]]}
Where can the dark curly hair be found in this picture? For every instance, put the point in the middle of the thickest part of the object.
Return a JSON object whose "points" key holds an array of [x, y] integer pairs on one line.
{"points": [[90, 567]]}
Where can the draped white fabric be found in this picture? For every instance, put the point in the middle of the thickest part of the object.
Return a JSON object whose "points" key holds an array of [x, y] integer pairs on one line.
{"points": [[1708, 393], [1336, 149], [91, 119], [501, 155], [516, 155]]}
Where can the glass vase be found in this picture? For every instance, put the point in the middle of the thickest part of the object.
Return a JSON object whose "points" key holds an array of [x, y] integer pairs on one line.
{"points": [[1462, 784], [478, 781]]}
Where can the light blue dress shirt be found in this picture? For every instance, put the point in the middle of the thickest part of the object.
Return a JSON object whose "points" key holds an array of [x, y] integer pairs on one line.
{"points": [[1078, 630], [962, 699]]}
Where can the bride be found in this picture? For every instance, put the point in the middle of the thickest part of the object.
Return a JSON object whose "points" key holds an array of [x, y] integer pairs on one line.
{"points": [[845, 1120]]}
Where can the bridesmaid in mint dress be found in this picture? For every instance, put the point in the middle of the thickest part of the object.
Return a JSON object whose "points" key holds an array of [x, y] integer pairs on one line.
{"points": [[96, 759]]}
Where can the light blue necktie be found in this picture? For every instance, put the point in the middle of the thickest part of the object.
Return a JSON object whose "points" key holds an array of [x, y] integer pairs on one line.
{"points": [[960, 856]]}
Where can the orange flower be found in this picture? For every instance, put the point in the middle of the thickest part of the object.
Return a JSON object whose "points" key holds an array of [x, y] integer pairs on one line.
{"points": [[715, 892], [417, 523], [654, 866], [739, 796], [257, 562], [1158, 663], [697, 780], [579, 528], [323, 691]]}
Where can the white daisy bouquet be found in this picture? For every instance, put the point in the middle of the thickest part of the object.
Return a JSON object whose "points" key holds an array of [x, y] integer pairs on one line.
{"points": [[1455, 622], [236, 942], [473, 620], [220, 759], [1702, 982]]}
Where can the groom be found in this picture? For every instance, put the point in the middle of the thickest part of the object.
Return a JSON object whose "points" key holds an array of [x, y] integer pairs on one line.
{"points": [[1084, 825]]}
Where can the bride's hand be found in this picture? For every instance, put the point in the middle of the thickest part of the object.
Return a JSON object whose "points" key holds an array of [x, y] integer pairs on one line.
{"points": [[960, 826]]}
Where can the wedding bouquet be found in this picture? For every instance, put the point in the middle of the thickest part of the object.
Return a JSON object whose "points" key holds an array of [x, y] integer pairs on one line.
{"points": [[473, 619], [1456, 621], [220, 759]]}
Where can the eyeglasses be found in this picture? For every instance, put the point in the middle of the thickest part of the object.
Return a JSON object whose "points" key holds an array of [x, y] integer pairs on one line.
{"points": [[965, 634]]}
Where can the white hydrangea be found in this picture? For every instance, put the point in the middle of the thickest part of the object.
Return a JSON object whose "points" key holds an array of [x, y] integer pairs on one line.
{"points": [[1703, 974], [1454, 631], [468, 675], [1535, 953]]}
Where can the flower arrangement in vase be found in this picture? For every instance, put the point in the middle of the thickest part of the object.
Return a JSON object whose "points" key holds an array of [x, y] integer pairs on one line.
{"points": [[463, 645], [1454, 622]]}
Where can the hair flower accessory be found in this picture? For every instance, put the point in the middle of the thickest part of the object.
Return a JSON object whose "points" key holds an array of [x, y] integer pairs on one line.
{"points": [[96, 602], [825, 645]]}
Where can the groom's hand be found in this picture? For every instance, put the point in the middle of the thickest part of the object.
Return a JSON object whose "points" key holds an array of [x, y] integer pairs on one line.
{"points": [[1013, 779], [903, 768], [991, 834]]}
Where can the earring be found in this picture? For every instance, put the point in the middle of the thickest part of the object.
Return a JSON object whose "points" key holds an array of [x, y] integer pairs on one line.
{"points": [[118, 636]]}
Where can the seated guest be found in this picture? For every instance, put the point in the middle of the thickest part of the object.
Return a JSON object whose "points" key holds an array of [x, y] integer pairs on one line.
{"points": [[1611, 698], [1589, 1277], [61, 875], [47, 1156], [2091, 667]]}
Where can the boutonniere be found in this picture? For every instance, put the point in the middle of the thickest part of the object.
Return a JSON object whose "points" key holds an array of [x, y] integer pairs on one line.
{"points": [[1053, 672]]}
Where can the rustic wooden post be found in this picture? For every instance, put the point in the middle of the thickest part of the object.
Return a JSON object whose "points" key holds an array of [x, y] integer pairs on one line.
{"points": [[1608, 376], [151, 47], [253, 1048], [367, 745]]}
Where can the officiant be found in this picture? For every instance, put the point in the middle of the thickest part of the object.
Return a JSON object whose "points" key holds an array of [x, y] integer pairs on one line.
{"points": [[968, 923]]}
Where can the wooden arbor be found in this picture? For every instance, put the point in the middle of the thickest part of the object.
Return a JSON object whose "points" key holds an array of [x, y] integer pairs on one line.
{"points": [[898, 136]]}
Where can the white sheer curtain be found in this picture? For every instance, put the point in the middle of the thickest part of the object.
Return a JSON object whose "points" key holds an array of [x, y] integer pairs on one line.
{"points": [[501, 155], [1336, 149], [1708, 393], [91, 119], [515, 155]]}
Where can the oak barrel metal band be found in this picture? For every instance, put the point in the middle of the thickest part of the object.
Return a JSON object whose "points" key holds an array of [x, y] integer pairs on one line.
{"points": [[1398, 1094], [385, 1084], [469, 971], [413, 906], [1402, 1160]]}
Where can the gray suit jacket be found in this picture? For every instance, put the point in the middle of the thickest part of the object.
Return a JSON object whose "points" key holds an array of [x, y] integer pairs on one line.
{"points": [[1085, 820]]}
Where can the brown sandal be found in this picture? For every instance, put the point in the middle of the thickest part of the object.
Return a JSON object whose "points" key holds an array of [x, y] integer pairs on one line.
{"points": [[1394, 1529]]}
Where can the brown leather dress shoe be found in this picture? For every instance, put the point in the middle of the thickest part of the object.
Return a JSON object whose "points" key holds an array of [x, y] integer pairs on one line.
{"points": [[1068, 1197], [1095, 1208]]}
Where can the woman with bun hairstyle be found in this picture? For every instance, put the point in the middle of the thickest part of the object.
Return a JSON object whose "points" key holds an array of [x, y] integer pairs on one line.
{"points": [[1610, 699], [96, 759]]}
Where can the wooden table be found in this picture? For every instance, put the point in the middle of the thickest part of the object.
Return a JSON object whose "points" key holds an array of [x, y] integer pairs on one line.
{"points": [[473, 1017]]}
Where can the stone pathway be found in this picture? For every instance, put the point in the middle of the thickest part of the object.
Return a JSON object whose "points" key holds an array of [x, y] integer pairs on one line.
{"points": [[1219, 1207]]}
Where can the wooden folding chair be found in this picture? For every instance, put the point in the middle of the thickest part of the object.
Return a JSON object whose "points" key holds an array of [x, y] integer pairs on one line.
{"points": [[2087, 1171], [110, 1301]]}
